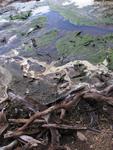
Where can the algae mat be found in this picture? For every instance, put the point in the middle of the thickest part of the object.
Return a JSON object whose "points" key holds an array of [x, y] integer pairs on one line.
{"points": [[82, 12], [92, 48]]}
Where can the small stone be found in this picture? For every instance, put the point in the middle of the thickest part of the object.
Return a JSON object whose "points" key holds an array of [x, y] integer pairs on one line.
{"points": [[81, 136], [91, 146]]}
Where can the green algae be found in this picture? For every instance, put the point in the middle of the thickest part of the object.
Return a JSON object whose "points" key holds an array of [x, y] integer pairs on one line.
{"points": [[72, 14], [47, 38], [31, 26], [38, 42], [40, 22], [110, 58], [91, 48], [21, 15], [82, 16], [28, 48]]}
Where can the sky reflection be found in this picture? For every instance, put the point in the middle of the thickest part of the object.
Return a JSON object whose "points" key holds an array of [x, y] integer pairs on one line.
{"points": [[79, 3]]}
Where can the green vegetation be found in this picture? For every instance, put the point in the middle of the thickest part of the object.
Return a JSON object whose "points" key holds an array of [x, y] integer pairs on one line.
{"points": [[110, 59], [33, 25], [27, 47], [72, 14], [41, 41], [84, 46], [106, 20], [21, 15], [84, 16], [47, 38], [39, 22]]}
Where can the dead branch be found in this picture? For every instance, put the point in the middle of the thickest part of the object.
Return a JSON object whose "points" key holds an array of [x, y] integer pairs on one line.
{"points": [[55, 138], [30, 140], [10, 146], [62, 115], [3, 122], [55, 135], [19, 121], [98, 97], [11, 134], [62, 126], [65, 105], [107, 90]]}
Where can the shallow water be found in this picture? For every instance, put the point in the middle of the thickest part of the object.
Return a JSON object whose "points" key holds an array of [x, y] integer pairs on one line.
{"points": [[54, 20], [85, 12], [60, 23]]}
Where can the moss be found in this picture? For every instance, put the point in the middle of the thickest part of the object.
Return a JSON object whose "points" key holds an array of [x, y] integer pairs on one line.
{"points": [[40, 22], [21, 15], [84, 46], [35, 24], [82, 16], [41, 41], [106, 20], [110, 58], [28, 48], [72, 14], [47, 38]]}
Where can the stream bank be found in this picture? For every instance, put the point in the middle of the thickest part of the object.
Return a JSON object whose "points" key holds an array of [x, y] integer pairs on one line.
{"points": [[42, 48]]}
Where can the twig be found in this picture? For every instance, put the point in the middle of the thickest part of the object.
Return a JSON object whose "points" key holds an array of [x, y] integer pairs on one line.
{"points": [[19, 121], [55, 138], [62, 126], [107, 90], [63, 112], [65, 105], [10, 146], [98, 97], [28, 139]]}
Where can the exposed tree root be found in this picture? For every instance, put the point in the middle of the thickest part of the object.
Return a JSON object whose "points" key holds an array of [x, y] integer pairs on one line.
{"points": [[46, 118]]}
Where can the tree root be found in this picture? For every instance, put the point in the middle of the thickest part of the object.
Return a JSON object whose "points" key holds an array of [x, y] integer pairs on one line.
{"points": [[67, 103]]}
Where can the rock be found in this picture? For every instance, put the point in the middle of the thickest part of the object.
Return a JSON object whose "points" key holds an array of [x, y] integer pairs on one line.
{"points": [[5, 79], [81, 136]]}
